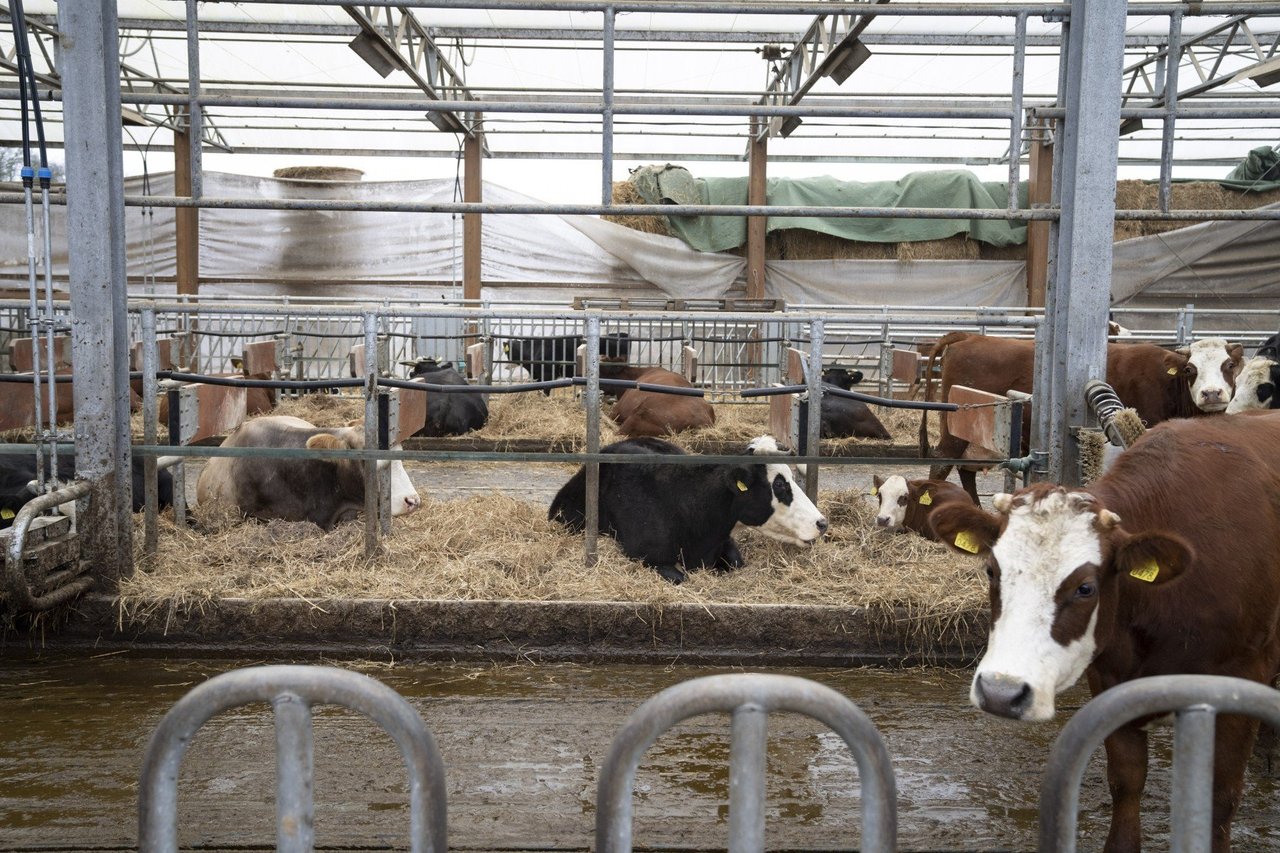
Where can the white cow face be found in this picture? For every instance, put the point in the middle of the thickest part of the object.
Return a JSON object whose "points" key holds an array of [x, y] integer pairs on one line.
{"points": [[1255, 386], [1055, 560], [404, 497], [794, 519], [1212, 365], [894, 495]]}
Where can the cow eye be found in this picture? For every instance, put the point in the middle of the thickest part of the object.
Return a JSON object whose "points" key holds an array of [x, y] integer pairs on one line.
{"points": [[1088, 589], [1190, 370], [991, 572], [902, 501]]}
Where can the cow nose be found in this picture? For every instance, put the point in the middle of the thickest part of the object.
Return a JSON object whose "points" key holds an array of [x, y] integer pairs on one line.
{"points": [[882, 521], [412, 503], [1002, 695], [822, 525], [1211, 395]]}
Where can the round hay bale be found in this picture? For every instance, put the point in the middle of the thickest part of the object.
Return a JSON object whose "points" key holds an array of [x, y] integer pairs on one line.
{"points": [[624, 192], [319, 173]]}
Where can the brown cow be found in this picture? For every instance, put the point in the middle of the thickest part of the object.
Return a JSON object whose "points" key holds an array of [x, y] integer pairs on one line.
{"points": [[906, 504], [652, 413], [1158, 383], [1164, 565]]}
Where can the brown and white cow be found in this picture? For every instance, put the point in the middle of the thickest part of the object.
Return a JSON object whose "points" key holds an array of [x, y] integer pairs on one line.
{"points": [[1159, 384], [322, 491], [906, 504], [1166, 564], [652, 413]]}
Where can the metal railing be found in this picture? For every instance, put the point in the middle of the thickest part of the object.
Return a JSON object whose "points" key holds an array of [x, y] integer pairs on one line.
{"points": [[292, 691]]}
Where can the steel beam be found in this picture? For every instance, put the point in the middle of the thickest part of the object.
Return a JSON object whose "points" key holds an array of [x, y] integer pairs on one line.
{"points": [[99, 323], [1072, 347], [1215, 56]]}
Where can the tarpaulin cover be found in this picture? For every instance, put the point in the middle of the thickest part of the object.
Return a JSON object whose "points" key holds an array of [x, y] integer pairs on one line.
{"points": [[942, 189], [1258, 172]]}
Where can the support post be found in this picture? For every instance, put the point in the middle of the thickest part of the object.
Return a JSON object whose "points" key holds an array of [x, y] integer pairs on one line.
{"points": [[186, 219], [757, 226], [472, 158], [1039, 194], [1072, 348], [95, 231]]}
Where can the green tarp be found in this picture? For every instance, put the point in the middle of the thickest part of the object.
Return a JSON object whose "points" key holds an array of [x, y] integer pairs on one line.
{"points": [[1258, 172], [942, 189]]}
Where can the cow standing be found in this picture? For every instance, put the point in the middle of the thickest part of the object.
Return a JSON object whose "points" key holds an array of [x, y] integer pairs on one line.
{"points": [[323, 491], [653, 413], [1164, 565], [907, 504], [680, 517], [1159, 384], [448, 414]]}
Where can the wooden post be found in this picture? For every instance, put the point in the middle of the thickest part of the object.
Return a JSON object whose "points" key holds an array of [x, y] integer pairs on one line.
{"points": [[757, 226], [472, 151], [186, 219], [1039, 191]]}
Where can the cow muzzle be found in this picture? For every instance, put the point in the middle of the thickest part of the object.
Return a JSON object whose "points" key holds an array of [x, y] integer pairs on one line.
{"points": [[1007, 696], [1212, 400]]}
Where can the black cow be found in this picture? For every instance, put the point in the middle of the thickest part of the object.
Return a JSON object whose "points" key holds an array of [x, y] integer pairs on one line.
{"points": [[842, 417], [18, 473], [682, 515], [448, 414], [554, 357], [1270, 348]]}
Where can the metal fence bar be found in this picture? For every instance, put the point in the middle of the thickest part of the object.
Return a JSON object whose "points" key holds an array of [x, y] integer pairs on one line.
{"points": [[728, 693], [295, 771], [1191, 816], [747, 768], [305, 686], [1143, 697], [151, 501]]}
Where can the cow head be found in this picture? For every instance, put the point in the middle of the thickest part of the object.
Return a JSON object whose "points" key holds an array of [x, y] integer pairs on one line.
{"points": [[789, 516], [842, 377], [1211, 368], [1256, 386], [424, 366], [895, 495], [1056, 561], [404, 497]]}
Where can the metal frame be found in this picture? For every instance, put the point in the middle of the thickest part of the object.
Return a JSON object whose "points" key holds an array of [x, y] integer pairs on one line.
{"points": [[1196, 700], [749, 698], [292, 691]]}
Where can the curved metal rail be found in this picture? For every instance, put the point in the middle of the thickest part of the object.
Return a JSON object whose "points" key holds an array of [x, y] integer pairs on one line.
{"points": [[66, 584]]}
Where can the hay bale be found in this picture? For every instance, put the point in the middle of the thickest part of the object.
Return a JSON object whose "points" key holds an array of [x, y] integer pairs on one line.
{"points": [[957, 247], [319, 173], [1192, 195], [799, 244], [624, 192]]}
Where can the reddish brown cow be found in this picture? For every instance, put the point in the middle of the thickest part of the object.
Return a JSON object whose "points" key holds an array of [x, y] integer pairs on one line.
{"points": [[906, 504], [652, 413], [1158, 383], [1164, 565]]}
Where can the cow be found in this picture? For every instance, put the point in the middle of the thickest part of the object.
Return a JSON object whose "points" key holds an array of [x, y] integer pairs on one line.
{"points": [[653, 413], [907, 504], [842, 417], [448, 414], [1270, 348], [555, 357], [1164, 565], [323, 491], [677, 518], [18, 483], [1158, 383], [1256, 386]]}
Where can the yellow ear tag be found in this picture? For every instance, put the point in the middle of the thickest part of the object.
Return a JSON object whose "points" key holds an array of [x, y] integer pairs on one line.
{"points": [[1173, 371], [742, 487], [6, 513], [1146, 572], [966, 541], [926, 499], [874, 491]]}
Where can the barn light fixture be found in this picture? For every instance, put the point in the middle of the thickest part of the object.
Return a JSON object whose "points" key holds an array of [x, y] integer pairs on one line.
{"points": [[846, 59], [372, 50], [789, 123], [1263, 73], [1130, 125]]}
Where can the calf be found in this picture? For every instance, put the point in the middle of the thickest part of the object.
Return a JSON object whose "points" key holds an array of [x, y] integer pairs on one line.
{"points": [[842, 417], [1164, 565], [448, 414], [18, 476], [1256, 386], [679, 517], [652, 413], [555, 357], [321, 491], [907, 504]]}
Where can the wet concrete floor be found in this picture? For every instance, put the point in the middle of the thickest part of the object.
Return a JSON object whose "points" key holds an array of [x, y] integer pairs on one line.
{"points": [[523, 746]]}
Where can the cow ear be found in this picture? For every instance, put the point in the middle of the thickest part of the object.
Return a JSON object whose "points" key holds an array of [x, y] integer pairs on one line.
{"points": [[325, 441], [1150, 557], [1266, 391], [965, 527], [740, 478], [1236, 351], [876, 483], [1174, 362]]}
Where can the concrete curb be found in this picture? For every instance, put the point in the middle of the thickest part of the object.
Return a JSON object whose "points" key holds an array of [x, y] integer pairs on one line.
{"points": [[532, 630]]}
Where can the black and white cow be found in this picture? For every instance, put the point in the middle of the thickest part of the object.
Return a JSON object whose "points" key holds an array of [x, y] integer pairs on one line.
{"points": [[554, 357], [448, 414], [1270, 348], [842, 417], [680, 517], [1256, 386], [322, 491], [18, 475]]}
